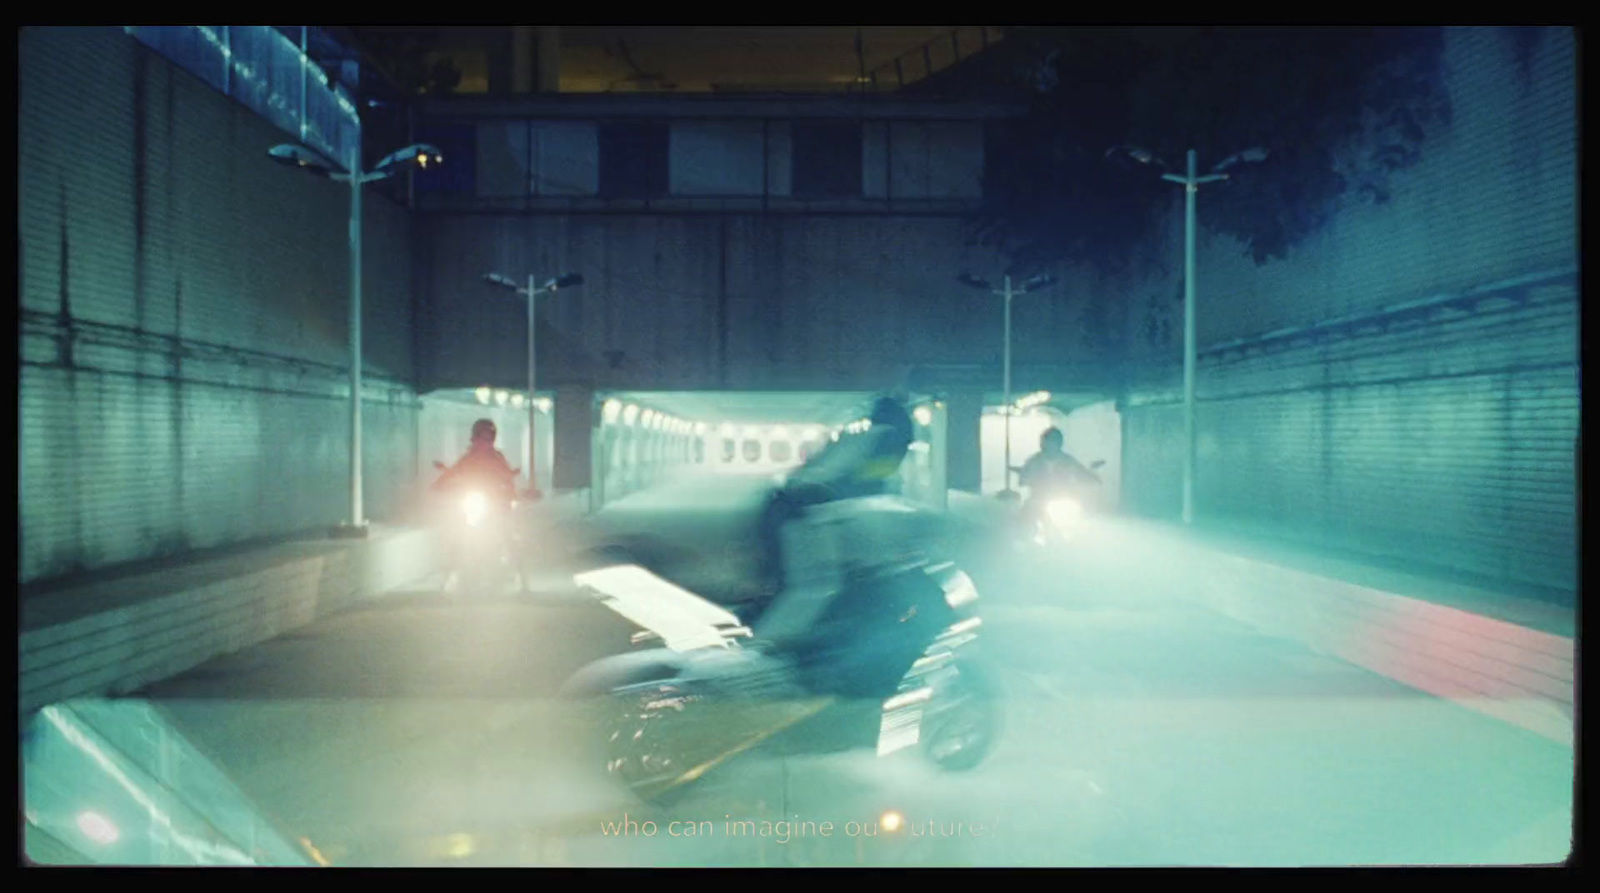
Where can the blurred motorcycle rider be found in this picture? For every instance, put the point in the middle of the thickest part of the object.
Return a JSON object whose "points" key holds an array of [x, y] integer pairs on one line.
{"points": [[858, 465], [1054, 470], [484, 465]]}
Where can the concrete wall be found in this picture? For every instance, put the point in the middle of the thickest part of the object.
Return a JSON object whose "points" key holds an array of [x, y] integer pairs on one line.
{"points": [[118, 637], [1435, 436], [1495, 198], [537, 161], [741, 302], [182, 381]]}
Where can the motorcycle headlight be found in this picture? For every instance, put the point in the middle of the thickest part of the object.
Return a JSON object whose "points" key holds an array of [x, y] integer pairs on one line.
{"points": [[1064, 512], [476, 508], [959, 590]]}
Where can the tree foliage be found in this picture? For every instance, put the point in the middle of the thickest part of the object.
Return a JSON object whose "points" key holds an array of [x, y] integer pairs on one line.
{"points": [[1338, 109], [409, 58]]}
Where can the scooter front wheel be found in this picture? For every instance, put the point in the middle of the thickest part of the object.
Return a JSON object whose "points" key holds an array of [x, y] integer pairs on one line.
{"points": [[962, 726]]}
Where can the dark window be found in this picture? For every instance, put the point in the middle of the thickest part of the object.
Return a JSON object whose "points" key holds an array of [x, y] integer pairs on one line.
{"points": [[827, 159], [752, 451], [730, 449], [780, 450], [633, 160]]}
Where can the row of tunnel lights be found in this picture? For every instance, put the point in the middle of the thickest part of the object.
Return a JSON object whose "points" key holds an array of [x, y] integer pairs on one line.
{"points": [[515, 400], [629, 414], [1031, 401]]}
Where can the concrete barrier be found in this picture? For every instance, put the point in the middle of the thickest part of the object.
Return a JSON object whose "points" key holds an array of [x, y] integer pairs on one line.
{"points": [[1513, 672], [119, 636]]}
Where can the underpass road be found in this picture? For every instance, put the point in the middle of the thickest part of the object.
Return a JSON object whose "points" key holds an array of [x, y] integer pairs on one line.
{"points": [[1140, 731]]}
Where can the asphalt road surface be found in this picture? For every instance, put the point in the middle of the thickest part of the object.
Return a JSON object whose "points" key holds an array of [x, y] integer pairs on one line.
{"points": [[1140, 731]]}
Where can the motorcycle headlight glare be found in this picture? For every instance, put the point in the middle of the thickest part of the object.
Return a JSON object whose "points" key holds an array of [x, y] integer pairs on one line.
{"points": [[476, 508], [1064, 511]]}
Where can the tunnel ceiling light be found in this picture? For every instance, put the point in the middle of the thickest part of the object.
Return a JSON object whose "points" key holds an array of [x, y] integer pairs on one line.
{"points": [[544, 404], [611, 410], [924, 416], [727, 429], [501, 397], [484, 395], [780, 432], [516, 400], [1037, 398], [629, 414], [700, 428]]}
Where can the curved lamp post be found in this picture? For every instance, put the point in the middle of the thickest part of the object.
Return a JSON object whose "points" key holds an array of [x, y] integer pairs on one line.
{"points": [[1190, 181], [418, 155], [532, 292], [1007, 291]]}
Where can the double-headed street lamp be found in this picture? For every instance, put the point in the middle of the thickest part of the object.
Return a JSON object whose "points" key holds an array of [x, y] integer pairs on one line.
{"points": [[1191, 183], [413, 156], [1007, 292], [531, 291]]}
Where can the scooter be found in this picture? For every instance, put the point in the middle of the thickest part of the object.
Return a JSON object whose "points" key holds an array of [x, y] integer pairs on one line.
{"points": [[479, 533], [890, 629]]}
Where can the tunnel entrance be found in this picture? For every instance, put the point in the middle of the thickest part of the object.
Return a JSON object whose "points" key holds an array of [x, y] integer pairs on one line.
{"points": [[643, 438]]}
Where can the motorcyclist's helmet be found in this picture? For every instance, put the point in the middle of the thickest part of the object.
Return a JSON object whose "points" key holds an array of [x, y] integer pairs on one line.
{"points": [[484, 431], [1052, 440]]}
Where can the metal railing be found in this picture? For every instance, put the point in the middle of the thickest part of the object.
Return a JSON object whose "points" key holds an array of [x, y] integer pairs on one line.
{"points": [[269, 71], [920, 63]]}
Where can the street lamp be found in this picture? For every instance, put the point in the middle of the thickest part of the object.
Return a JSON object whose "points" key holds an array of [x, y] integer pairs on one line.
{"points": [[531, 291], [413, 156], [1008, 292], [1191, 183]]}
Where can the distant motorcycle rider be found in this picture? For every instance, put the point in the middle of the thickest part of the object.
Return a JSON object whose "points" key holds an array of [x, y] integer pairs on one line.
{"points": [[482, 464], [1054, 470]]}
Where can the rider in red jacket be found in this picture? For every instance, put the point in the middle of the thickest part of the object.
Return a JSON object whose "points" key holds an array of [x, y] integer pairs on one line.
{"points": [[483, 464]]}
